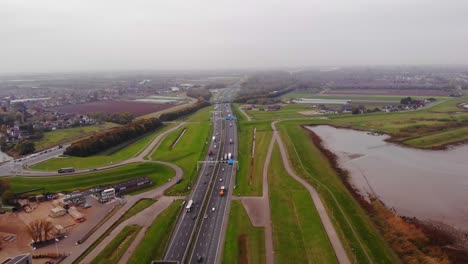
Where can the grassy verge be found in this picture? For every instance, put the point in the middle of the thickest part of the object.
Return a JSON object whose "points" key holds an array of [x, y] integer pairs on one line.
{"points": [[154, 242], [135, 209], [310, 164], [441, 139], [62, 136], [244, 242], [249, 177], [158, 173], [191, 148], [117, 247], [298, 234], [114, 155]]}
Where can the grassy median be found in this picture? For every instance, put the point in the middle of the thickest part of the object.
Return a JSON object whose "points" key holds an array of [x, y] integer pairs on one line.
{"points": [[191, 148], [244, 242], [157, 236], [117, 247]]}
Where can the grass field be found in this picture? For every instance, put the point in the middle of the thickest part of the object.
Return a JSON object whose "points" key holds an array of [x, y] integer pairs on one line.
{"points": [[373, 97], [244, 242], [117, 247], [190, 149], [439, 139], [157, 236], [114, 155], [249, 176], [135, 209], [298, 234], [158, 173], [62, 136], [287, 111], [310, 164]]}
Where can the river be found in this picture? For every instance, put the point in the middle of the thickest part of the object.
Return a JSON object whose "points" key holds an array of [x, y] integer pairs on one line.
{"points": [[427, 184]]}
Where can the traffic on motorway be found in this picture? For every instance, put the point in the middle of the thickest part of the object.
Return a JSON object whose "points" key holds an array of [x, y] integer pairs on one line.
{"points": [[199, 231]]}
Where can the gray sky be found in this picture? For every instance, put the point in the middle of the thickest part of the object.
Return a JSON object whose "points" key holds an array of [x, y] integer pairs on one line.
{"points": [[58, 35]]}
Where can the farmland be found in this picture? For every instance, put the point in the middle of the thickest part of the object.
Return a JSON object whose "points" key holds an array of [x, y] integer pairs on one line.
{"points": [[109, 107]]}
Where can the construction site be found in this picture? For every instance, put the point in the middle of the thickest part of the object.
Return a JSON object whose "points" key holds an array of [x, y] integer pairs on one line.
{"points": [[49, 225]]}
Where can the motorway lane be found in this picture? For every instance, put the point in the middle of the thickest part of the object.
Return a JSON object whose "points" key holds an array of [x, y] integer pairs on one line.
{"points": [[210, 238], [183, 233]]}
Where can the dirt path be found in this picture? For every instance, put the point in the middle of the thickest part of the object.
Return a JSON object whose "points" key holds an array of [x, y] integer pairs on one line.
{"points": [[245, 114], [327, 224]]}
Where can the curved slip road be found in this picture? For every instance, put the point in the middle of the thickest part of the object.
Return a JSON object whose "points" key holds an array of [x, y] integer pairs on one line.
{"points": [[327, 224], [149, 149]]}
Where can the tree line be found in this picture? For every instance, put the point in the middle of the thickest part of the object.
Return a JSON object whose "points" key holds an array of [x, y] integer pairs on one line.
{"points": [[184, 111], [199, 93], [110, 138], [118, 118]]}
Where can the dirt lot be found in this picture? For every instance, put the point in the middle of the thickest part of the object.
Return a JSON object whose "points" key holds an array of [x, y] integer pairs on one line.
{"points": [[109, 107], [16, 224], [309, 113], [419, 92]]}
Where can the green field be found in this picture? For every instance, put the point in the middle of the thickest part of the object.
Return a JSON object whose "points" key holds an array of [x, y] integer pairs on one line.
{"points": [[139, 206], [372, 97], [114, 155], [287, 111], [62, 136], [249, 177], [298, 234], [244, 242], [310, 164], [117, 247], [158, 173], [439, 139], [157, 236], [190, 149]]}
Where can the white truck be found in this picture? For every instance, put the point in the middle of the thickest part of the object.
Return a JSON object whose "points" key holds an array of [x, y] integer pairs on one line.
{"points": [[229, 156]]}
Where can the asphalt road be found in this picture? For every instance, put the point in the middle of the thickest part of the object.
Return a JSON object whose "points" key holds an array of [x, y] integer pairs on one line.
{"points": [[209, 242], [14, 167], [184, 230]]}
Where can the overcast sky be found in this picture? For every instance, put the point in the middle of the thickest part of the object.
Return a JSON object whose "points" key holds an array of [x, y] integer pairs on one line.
{"points": [[67, 35]]}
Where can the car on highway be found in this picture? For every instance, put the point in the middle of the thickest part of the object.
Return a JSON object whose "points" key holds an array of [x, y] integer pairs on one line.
{"points": [[220, 179], [213, 209]]}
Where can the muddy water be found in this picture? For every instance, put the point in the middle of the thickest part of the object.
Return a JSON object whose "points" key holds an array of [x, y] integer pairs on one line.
{"points": [[426, 184]]}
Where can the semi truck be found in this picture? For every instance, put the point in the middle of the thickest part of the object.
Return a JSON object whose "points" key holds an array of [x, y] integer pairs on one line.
{"points": [[189, 206], [221, 191]]}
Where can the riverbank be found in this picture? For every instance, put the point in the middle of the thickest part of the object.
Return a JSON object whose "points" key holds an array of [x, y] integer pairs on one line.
{"points": [[421, 239]]}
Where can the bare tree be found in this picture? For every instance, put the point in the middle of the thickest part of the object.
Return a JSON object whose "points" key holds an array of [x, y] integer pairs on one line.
{"points": [[40, 230]]}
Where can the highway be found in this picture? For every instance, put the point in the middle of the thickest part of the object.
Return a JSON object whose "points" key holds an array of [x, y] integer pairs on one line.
{"points": [[199, 233], [185, 227], [209, 242]]}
